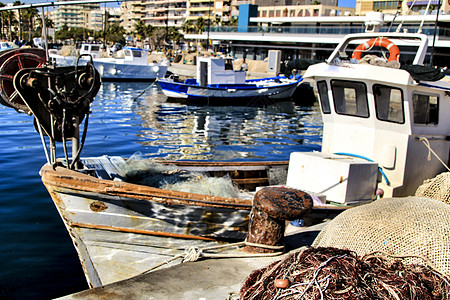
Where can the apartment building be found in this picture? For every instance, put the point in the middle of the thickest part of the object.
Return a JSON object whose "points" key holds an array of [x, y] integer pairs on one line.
{"points": [[132, 13], [317, 10], [73, 16], [409, 7], [161, 13]]}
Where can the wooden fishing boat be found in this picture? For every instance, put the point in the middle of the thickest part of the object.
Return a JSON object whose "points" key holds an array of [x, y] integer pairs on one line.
{"points": [[122, 229]]}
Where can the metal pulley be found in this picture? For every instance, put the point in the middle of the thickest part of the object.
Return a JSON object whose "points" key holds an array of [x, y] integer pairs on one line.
{"points": [[58, 97], [11, 62]]}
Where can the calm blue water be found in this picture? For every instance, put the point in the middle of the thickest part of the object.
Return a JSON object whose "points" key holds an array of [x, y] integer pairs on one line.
{"points": [[37, 258]]}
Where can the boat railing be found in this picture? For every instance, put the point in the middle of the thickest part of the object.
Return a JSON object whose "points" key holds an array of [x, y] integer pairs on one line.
{"points": [[417, 41]]}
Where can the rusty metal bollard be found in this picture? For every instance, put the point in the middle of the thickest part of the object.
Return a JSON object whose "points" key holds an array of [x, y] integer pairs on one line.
{"points": [[272, 206]]}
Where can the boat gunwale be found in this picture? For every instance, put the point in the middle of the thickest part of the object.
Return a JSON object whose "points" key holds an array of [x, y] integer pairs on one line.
{"points": [[63, 178]]}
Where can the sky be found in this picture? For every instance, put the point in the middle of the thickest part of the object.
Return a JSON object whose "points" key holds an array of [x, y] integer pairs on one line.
{"points": [[347, 3]]}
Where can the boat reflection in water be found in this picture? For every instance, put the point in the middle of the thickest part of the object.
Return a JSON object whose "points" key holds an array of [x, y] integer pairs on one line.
{"points": [[178, 131]]}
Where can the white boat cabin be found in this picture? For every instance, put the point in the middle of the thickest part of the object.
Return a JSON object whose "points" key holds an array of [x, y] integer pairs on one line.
{"points": [[216, 70], [135, 56], [375, 115], [131, 55], [91, 49]]}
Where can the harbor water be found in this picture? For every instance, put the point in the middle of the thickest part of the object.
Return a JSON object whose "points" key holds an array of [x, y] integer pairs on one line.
{"points": [[37, 257]]}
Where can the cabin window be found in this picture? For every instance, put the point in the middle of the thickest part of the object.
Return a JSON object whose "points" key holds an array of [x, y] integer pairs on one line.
{"points": [[323, 95], [425, 109], [137, 54], [95, 48], [388, 103], [350, 98], [86, 47]]}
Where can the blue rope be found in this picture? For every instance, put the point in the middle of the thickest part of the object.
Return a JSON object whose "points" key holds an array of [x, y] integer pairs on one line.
{"points": [[368, 159]]}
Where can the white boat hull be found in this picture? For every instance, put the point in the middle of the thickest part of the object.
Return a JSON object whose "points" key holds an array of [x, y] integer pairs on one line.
{"points": [[116, 69]]}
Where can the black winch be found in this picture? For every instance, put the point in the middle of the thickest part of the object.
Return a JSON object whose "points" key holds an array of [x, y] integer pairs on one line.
{"points": [[58, 97]]}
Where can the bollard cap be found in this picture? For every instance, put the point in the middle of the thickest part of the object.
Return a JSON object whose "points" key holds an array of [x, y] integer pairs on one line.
{"points": [[283, 202]]}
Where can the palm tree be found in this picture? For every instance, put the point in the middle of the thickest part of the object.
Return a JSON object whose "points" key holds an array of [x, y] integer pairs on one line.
{"points": [[175, 36], [17, 3], [187, 26], [114, 33], [200, 25], [1, 21], [140, 29], [48, 24], [30, 14], [10, 18]]}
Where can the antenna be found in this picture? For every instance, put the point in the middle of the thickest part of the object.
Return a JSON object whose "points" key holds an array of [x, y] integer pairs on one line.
{"points": [[424, 15], [435, 31]]}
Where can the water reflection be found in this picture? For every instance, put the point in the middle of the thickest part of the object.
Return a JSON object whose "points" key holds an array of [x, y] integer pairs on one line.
{"points": [[179, 131]]}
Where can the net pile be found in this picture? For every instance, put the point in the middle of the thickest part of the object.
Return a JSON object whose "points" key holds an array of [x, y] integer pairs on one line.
{"points": [[330, 273], [413, 227], [436, 188], [146, 172]]}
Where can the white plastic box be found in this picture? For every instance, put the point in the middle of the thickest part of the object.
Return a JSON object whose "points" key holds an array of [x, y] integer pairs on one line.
{"points": [[341, 179]]}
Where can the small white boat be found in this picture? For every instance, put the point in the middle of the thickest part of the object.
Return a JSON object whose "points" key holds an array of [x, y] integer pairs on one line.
{"points": [[218, 84], [134, 65]]}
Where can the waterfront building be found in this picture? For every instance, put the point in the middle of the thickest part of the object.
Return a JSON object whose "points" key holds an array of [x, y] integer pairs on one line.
{"points": [[161, 13], [409, 7], [315, 37], [72, 16], [313, 10], [132, 13]]}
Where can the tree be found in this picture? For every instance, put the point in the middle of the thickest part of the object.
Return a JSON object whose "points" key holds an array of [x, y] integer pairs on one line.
{"points": [[114, 33], [30, 14], [48, 24], [188, 26], [200, 25], [73, 33], [140, 29], [2, 21], [175, 36], [17, 3], [157, 37], [10, 18]]}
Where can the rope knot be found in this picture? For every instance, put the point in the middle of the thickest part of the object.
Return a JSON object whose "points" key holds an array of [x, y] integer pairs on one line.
{"points": [[192, 254]]}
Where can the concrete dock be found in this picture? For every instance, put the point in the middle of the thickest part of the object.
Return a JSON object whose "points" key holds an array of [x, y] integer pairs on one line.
{"points": [[203, 279]]}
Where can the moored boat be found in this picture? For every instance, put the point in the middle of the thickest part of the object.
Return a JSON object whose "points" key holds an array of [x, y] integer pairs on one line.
{"points": [[133, 66], [217, 83]]}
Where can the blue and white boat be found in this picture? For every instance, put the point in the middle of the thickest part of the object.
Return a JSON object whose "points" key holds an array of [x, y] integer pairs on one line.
{"points": [[133, 66], [218, 83]]}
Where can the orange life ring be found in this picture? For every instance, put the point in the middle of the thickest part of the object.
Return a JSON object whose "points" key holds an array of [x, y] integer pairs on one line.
{"points": [[394, 52]]}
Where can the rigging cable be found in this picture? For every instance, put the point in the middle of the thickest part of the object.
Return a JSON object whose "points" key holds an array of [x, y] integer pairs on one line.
{"points": [[435, 31]]}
